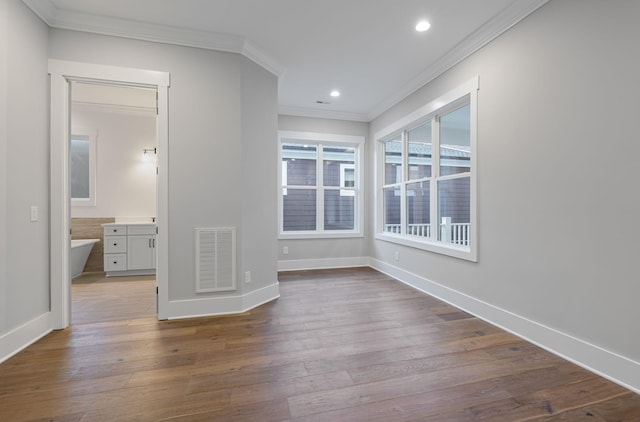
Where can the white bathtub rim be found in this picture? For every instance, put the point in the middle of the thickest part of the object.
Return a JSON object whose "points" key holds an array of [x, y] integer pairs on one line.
{"points": [[77, 243]]}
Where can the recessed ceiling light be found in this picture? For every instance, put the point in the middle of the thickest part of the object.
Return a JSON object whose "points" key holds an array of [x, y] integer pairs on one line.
{"points": [[423, 26], [335, 93]]}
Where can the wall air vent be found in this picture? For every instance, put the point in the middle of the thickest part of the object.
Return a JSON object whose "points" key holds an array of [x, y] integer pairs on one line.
{"points": [[215, 259]]}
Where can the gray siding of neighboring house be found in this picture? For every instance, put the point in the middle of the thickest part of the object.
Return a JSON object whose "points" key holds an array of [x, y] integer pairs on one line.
{"points": [[299, 205], [456, 203]]}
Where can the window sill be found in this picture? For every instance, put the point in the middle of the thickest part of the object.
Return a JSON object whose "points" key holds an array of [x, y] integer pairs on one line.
{"points": [[318, 235], [455, 251]]}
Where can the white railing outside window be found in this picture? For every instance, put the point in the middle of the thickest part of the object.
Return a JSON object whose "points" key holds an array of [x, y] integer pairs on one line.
{"points": [[456, 233], [423, 230]]}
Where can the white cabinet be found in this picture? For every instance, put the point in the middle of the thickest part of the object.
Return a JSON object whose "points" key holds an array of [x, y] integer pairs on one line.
{"points": [[141, 252], [129, 249]]}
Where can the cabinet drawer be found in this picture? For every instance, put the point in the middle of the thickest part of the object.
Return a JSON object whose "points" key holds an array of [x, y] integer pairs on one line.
{"points": [[115, 262], [141, 229], [115, 244], [115, 230]]}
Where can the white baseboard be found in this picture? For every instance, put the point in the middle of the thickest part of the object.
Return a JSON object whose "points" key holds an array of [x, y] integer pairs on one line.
{"points": [[25, 335], [320, 264], [605, 363], [222, 305]]}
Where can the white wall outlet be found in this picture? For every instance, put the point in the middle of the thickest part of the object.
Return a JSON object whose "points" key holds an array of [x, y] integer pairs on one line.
{"points": [[247, 276], [285, 250], [34, 213], [397, 256]]}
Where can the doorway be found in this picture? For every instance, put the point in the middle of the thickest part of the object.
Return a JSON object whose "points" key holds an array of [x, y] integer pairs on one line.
{"points": [[62, 75], [112, 184]]}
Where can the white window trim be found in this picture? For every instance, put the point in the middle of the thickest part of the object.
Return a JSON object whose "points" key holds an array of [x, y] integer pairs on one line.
{"points": [[436, 107], [91, 136], [313, 138]]}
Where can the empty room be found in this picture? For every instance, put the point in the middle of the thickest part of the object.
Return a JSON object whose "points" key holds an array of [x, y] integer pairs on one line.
{"points": [[319, 211]]}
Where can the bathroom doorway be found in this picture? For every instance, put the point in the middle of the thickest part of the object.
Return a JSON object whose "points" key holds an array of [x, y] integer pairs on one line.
{"points": [[112, 172], [63, 75]]}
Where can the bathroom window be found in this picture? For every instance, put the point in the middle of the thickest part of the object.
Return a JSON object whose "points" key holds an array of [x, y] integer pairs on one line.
{"points": [[320, 185], [82, 174]]}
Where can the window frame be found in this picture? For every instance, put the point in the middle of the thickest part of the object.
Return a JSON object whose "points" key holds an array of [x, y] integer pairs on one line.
{"points": [[467, 93], [321, 140], [90, 136]]}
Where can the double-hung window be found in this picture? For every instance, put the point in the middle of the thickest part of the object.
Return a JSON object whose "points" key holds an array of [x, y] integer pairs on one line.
{"points": [[320, 190], [427, 172]]}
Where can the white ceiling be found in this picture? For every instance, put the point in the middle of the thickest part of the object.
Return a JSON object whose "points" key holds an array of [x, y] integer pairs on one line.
{"points": [[367, 49]]}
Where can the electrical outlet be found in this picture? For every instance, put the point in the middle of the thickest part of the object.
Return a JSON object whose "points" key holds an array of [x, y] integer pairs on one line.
{"points": [[247, 276], [285, 250]]}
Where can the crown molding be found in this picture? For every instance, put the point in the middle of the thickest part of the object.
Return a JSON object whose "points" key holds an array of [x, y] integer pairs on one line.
{"points": [[260, 57], [510, 16], [63, 19], [322, 114]]}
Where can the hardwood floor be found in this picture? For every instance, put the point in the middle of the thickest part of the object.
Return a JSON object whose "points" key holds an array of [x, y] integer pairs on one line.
{"points": [[339, 345], [97, 298]]}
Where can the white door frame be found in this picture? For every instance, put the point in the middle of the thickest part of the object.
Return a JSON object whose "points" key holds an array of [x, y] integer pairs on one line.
{"points": [[61, 73]]}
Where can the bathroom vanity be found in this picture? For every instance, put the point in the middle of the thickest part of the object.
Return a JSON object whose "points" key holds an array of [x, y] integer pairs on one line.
{"points": [[129, 248]]}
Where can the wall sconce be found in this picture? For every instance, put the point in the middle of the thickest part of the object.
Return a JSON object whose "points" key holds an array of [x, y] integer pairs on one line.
{"points": [[146, 154]]}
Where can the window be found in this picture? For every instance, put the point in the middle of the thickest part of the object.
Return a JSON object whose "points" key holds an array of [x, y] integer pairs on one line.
{"points": [[82, 151], [426, 194], [320, 188]]}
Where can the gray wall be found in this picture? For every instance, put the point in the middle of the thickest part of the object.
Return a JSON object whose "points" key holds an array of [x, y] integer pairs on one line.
{"points": [[259, 207], [558, 195], [24, 172], [212, 130], [303, 249]]}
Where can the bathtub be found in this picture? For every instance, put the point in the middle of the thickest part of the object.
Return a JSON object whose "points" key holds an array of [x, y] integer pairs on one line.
{"points": [[80, 250]]}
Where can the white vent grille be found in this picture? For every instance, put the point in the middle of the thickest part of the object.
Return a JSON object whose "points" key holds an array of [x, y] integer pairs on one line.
{"points": [[215, 259]]}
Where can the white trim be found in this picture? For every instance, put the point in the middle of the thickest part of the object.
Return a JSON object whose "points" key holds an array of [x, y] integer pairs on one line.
{"points": [[23, 336], [162, 200], [59, 18], [418, 116], [101, 73], [328, 234], [222, 305], [284, 110], [323, 139], [596, 359], [113, 109], [287, 136], [426, 245], [466, 93], [325, 263], [510, 16], [61, 73], [262, 58], [65, 19]]}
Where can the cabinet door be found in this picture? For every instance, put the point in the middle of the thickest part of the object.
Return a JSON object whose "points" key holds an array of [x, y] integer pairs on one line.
{"points": [[141, 252]]}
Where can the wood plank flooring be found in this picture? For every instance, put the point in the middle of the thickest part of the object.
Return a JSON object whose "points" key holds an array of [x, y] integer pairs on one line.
{"points": [[339, 345], [97, 298]]}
